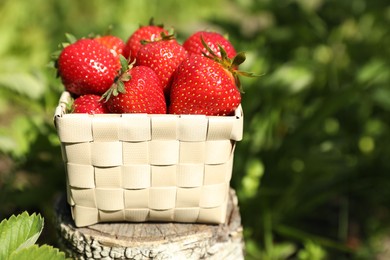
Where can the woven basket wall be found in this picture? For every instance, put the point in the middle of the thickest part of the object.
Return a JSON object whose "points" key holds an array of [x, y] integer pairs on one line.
{"points": [[139, 167]]}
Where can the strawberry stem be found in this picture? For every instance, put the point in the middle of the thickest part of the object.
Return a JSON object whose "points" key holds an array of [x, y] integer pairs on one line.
{"points": [[164, 37], [152, 23], [229, 64], [119, 83], [56, 54]]}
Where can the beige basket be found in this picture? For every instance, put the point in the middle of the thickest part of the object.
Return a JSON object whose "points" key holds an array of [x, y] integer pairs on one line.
{"points": [[140, 167]]}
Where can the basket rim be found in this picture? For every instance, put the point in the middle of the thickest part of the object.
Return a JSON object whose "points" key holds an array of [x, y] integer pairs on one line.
{"points": [[65, 98]]}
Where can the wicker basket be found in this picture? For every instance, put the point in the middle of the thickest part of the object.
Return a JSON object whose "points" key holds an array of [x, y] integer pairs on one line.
{"points": [[140, 167]]}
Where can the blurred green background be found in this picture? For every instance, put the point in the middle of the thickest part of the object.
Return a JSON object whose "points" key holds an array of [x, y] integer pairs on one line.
{"points": [[313, 171]]}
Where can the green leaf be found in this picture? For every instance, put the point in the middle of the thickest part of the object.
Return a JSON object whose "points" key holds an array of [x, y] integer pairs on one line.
{"points": [[212, 53], [224, 55], [114, 92], [374, 71], [283, 250], [38, 253], [312, 251], [19, 232], [23, 83], [124, 64], [7, 144], [294, 77], [70, 38], [22, 132], [381, 96], [239, 59], [252, 178], [121, 88]]}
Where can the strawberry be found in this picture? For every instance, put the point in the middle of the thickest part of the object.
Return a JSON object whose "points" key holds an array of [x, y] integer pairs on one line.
{"points": [[87, 67], [193, 44], [207, 84], [149, 32], [90, 104], [163, 56], [138, 91], [203, 86], [113, 43]]}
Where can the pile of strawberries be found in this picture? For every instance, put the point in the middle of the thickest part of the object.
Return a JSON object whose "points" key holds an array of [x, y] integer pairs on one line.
{"points": [[152, 73]]}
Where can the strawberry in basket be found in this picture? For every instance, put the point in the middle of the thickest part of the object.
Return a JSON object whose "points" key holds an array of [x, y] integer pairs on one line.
{"points": [[87, 67], [137, 90], [152, 167], [90, 104], [150, 32], [194, 44], [115, 44], [163, 56], [207, 83], [199, 76]]}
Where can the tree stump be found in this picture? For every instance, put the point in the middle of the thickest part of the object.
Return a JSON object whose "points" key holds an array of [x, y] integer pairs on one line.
{"points": [[152, 240]]}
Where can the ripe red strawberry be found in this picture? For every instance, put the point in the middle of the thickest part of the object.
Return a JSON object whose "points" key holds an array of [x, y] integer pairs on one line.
{"points": [[87, 67], [141, 92], [90, 104], [113, 43], [163, 57], [193, 44], [149, 32], [203, 86]]}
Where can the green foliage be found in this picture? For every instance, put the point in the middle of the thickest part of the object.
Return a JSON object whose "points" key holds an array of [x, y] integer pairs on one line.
{"points": [[39, 253], [312, 171], [311, 251], [317, 123], [19, 232], [18, 236]]}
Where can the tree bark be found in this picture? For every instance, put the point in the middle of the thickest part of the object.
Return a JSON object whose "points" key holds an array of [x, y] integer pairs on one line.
{"points": [[152, 240]]}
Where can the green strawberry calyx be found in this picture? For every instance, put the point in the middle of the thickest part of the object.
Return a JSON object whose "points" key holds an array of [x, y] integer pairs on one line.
{"points": [[69, 105], [171, 35], [230, 64], [53, 64], [153, 23], [70, 40], [119, 83]]}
